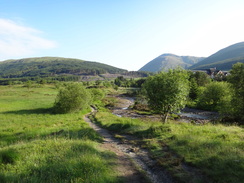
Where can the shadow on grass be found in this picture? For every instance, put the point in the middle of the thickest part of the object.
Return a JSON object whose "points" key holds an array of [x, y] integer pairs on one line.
{"points": [[153, 131], [83, 133], [224, 170], [31, 111]]}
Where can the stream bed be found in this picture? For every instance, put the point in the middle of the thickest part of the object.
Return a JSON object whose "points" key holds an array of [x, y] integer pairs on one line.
{"points": [[122, 109]]}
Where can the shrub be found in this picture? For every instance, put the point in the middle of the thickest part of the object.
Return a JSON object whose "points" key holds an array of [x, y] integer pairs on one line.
{"points": [[73, 97], [215, 96], [97, 94]]}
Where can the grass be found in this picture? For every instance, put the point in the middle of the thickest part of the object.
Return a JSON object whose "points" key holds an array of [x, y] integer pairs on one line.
{"points": [[215, 153], [60, 160], [38, 146]]}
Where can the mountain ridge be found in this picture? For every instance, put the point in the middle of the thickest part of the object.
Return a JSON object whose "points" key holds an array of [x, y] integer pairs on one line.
{"points": [[46, 66], [223, 59], [169, 61]]}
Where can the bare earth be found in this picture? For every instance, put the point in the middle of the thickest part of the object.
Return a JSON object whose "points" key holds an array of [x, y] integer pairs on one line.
{"points": [[125, 167]]}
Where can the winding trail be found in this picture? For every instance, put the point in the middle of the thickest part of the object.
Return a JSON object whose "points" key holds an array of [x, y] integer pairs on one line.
{"points": [[134, 163]]}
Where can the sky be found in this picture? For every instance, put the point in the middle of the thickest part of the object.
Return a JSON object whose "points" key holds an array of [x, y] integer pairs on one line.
{"points": [[123, 33]]}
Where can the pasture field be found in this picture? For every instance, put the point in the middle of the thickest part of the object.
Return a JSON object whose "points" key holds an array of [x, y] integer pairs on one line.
{"points": [[192, 153], [38, 146]]}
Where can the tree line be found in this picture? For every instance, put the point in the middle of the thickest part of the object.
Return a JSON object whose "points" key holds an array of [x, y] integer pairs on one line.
{"points": [[166, 92]]}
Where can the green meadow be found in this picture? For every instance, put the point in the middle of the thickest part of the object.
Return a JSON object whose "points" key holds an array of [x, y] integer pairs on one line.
{"points": [[38, 146], [190, 152]]}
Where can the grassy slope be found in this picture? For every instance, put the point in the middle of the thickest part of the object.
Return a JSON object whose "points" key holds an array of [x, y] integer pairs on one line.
{"points": [[223, 59], [215, 150], [224, 65], [37, 146], [46, 66]]}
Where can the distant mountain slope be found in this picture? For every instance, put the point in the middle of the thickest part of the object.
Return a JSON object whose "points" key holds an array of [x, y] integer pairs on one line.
{"points": [[47, 66], [170, 61], [223, 59]]}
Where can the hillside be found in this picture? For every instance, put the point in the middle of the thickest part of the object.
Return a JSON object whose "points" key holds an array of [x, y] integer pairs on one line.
{"points": [[169, 61], [50, 66], [223, 59]]}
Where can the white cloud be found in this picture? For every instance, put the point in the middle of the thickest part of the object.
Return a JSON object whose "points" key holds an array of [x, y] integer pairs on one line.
{"points": [[19, 41]]}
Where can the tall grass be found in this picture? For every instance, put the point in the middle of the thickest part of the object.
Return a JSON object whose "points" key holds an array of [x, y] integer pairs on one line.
{"points": [[216, 151], [38, 146], [60, 160]]}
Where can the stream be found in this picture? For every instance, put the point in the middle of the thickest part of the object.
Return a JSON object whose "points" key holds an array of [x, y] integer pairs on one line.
{"points": [[186, 115]]}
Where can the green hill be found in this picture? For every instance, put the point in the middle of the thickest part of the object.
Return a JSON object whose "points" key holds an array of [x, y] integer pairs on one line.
{"points": [[223, 59], [170, 61], [51, 66]]}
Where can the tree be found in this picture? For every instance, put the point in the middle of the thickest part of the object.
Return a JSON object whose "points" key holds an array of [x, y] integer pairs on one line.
{"points": [[236, 78], [119, 81], [200, 77], [72, 97], [216, 96], [194, 89], [167, 92]]}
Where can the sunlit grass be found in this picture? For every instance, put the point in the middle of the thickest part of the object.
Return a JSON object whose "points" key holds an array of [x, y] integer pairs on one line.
{"points": [[38, 146]]}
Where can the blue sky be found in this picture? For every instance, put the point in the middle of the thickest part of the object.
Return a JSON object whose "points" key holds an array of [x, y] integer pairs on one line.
{"points": [[122, 33]]}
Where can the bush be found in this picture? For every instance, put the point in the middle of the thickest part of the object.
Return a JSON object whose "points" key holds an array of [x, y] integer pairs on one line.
{"points": [[216, 96], [73, 97], [97, 94]]}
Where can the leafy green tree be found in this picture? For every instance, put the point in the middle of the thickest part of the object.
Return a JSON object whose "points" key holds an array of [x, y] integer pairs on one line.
{"points": [[194, 89], [140, 82], [119, 81], [236, 78], [167, 92], [72, 97], [201, 78], [216, 96]]}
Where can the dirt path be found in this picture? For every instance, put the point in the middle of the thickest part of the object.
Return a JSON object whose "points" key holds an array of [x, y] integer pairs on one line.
{"points": [[132, 161], [125, 166]]}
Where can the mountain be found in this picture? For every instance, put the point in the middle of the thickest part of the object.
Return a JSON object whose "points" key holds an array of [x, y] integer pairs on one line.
{"points": [[170, 61], [49, 66], [223, 59]]}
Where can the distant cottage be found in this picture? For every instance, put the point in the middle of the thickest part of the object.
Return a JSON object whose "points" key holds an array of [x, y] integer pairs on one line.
{"points": [[214, 72]]}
